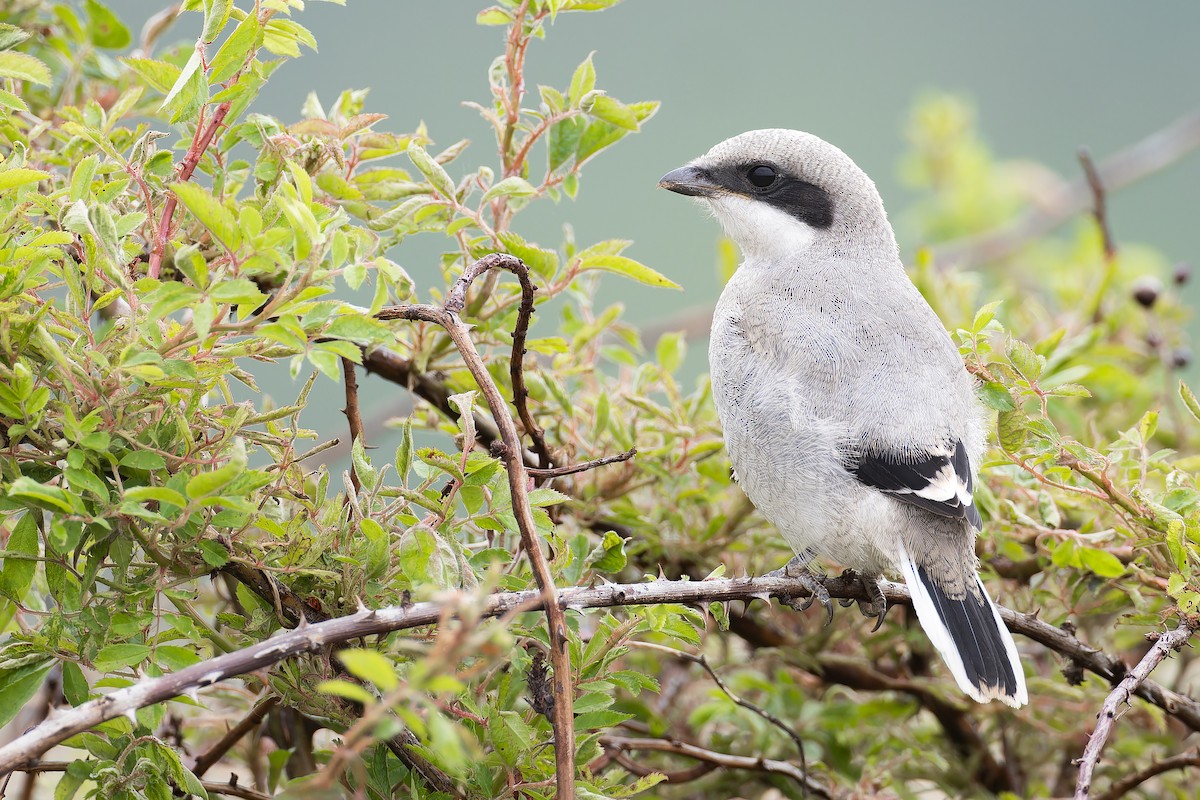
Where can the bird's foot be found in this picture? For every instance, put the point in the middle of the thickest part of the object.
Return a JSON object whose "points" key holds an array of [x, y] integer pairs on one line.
{"points": [[877, 605], [798, 569]]}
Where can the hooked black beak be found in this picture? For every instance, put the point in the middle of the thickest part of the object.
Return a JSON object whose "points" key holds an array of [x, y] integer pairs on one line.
{"points": [[691, 181]]}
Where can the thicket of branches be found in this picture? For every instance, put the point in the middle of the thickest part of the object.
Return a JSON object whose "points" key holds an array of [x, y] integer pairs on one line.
{"points": [[540, 606]]}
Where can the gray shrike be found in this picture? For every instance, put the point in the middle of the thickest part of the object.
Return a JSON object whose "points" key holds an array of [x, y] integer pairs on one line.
{"points": [[849, 417]]}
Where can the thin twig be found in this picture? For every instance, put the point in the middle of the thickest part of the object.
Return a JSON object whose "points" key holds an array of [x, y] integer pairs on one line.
{"points": [[456, 301], [1099, 202], [1130, 782], [353, 416], [230, 788], [563, 721], [369, 622], [559, 472], [1172, 640], [752, 763], [234, 735], [1150, 155], [200, 143]]}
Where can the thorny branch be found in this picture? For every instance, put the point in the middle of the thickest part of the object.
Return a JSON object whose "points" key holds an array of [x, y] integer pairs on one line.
{"points": [[518, 480], [369, 622], [1107, 719], [234, 735], [353, 417], [1130, 782], [753, 763], [559, 472]]}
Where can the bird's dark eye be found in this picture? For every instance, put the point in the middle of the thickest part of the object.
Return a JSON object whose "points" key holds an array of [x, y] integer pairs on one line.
{"points": [[762, 176]]}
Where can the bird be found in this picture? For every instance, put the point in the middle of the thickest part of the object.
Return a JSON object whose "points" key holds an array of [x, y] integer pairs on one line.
{"points": [[849, 417]]}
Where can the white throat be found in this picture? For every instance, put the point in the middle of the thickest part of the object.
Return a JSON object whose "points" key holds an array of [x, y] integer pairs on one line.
{"points": [[762, 232]]}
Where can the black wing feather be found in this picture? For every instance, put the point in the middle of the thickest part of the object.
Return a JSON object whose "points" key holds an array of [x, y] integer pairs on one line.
{"points": [[902, 477]]}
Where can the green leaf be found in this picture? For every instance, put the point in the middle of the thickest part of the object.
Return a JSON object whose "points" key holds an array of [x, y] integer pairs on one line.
{"points": [[433, 171], [23, 67], [629, 268], [346, 690], [1189, 400], [1012, 430], [157, 494], [609, 555], [219, 220], [206, 483], [230, 57], [237, 291], [511, 736], [40, 494], [583, 81], [118, 656], [105, 29], [159, 74], [1023, 357], [493, 16], [11, 35], [20, 176], [18, 685], [610, 110], [996, 396], [371, 666], [510, 187], [213, 553], [188, 93], [16, 576], [1102, 563], [216, 14]]}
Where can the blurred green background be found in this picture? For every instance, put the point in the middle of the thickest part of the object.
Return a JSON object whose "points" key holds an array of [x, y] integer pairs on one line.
{"points": [[1044, 78]]}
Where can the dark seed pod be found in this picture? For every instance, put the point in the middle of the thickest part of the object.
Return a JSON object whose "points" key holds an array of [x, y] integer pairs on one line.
{"points": [[1181, 357], [1146, 290], [1183, 271]]}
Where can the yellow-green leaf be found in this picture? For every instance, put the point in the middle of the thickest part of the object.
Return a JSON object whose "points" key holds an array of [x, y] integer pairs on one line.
{"points": [[630, 269]]}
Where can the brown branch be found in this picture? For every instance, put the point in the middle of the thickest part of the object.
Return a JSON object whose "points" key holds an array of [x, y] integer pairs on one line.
{"points": [[456, 301], [200, 143], [230, 788], [1130, 782], [352, 416], [248, 723], [688, 775], [1167, 642], [368, 622], [563, 721], [1141, 159], [1099, 202], [752, 763], [559, 472]]}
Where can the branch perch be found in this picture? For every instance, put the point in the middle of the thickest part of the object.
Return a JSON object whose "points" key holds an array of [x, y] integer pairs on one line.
{"points": [[369, 622], [1107, 719]]}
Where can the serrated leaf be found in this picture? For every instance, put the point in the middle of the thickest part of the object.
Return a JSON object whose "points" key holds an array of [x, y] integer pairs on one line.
{"points": [[219, 221], [20, 176], [996, 396], [511, 736], [629, 268], [159, 74], [1012, 429], [216, 14], [11, 35], [23, 67], [347, 690], [493, 15], [1189, 400], [232, 54]]}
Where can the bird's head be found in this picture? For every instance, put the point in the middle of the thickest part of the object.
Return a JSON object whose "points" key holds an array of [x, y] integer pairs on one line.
{"points": [[780, 193]]}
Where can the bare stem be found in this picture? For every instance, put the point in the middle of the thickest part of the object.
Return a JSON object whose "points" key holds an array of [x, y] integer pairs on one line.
{"points": [[1107, 719]]}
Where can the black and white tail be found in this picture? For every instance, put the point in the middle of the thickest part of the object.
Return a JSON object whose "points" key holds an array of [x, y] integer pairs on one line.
{"points": [[971, 638]]}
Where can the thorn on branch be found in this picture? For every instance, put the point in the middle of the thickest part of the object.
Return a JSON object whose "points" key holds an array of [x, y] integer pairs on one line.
{"points": [[559, 472]]}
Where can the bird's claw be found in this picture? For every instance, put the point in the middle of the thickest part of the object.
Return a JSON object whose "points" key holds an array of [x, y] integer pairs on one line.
{"points": [[797, 569], [877, 606]]}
